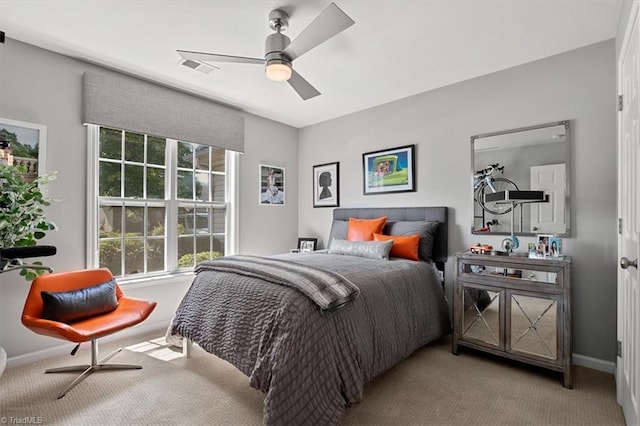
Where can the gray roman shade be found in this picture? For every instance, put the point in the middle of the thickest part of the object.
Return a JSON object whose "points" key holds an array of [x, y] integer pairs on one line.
{"points": [[115, 100]]}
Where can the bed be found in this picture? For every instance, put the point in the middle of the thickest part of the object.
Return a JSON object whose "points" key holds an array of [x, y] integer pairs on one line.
{"points": [[312, 362]]}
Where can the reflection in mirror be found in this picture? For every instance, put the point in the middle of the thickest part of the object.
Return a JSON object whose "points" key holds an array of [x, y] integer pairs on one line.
{"points": [[481, 316], [522, 274], [540, 276], [534, 158], [534, 325]]}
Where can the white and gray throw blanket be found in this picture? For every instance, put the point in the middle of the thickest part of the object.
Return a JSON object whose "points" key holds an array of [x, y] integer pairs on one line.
{"points": [[312, 364], [329, 290]]}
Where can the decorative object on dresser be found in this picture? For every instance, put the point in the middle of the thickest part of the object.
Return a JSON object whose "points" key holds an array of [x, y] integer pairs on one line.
{"points": [[555, 246], [515, 307], [326, 185], [481, 248], [544, 244], [389, 170]]}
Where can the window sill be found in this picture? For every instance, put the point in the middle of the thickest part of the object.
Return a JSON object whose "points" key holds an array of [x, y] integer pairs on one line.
{"points": [[151, 281]]}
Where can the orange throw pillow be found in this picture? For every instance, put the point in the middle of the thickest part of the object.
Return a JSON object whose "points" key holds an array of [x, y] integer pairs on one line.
{"points": [[363, 229], [405, 246]]}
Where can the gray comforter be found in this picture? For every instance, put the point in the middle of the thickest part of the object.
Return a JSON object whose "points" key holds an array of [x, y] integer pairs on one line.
{"points": [[313, 364]]}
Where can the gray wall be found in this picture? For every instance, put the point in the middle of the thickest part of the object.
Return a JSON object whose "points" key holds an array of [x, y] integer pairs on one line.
{"points": [[577, 86], [42, 87], [623, 23]]}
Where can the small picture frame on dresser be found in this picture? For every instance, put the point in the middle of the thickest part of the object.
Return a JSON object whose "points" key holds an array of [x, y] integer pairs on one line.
{"points": [[544, 243], [555, 247]]}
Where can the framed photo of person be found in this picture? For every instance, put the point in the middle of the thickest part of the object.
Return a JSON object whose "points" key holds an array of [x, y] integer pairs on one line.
{"points": [[307, 244], [272, 189], [544, 244], [555, 247], [326, 185]]}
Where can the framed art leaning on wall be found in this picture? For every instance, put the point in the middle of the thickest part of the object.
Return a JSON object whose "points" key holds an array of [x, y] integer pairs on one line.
{"points": [[326, 185], [389, 170]]}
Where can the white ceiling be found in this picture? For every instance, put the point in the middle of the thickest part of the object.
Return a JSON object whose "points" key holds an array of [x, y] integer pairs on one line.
{"points": [[395, 49]]}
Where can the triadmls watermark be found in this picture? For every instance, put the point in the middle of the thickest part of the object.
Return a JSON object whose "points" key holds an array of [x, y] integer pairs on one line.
{"points": [[22, 420]]}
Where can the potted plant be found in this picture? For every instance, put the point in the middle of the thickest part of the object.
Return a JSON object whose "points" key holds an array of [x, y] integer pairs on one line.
{"points": [[22, 217]]}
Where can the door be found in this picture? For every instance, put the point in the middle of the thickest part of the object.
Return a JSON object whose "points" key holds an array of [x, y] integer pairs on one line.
{"points": [[548, 218], [628, 361]]}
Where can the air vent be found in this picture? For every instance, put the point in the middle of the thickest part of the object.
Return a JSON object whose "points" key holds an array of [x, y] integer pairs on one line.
{"points": [[198, 66]]}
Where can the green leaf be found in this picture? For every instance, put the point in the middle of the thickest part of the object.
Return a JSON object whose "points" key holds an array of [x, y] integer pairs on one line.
{"points": [[22, 214]]}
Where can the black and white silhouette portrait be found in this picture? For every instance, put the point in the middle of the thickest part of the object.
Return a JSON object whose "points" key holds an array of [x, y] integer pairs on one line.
{"points": [[325, 185], [325, 182]]}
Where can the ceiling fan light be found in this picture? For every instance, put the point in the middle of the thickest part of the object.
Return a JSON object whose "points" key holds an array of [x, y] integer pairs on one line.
{"points": [[278, 71]]}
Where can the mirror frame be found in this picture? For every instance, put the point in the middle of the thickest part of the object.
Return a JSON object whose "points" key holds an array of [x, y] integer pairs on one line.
{"points": [[567, 212]]}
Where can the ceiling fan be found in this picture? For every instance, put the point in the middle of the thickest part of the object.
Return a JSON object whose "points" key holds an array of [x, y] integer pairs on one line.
{"points": [[280, 51]]}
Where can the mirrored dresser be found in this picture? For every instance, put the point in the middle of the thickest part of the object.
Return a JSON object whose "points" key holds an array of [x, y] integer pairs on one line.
{"points": [[515, 307]]}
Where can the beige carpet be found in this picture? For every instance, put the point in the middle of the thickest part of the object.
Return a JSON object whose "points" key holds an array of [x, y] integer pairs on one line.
{"points": [[431, 387]]}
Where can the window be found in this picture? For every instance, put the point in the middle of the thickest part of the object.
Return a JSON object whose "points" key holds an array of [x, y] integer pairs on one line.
{"points": [[161, 205]]}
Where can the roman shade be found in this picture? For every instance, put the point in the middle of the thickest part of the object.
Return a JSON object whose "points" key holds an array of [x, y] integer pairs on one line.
{"points": [[119, 101]]}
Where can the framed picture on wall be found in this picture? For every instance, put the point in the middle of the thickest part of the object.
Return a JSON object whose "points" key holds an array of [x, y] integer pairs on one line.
{"points": [[23, 144], [326, 185], [389, 170], [272, 189]]}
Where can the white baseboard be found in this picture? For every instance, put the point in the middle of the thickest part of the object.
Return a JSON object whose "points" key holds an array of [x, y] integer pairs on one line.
{"points": [[66, 348], [594, 363]]}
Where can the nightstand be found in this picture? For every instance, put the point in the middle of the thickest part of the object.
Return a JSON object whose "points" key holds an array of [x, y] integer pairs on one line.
{"points": [[515, 307]]}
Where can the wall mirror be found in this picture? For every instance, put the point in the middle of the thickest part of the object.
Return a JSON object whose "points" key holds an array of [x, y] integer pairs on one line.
{"points": [[534, 158]]}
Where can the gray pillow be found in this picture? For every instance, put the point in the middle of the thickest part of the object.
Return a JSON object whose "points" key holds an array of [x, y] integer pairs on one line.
{"points": [[339, 229], [368, 249], [426, 229], [75, 305]]}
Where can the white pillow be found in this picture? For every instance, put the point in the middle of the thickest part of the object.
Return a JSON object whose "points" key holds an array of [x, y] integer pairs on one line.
{"points": [[368, 249]]}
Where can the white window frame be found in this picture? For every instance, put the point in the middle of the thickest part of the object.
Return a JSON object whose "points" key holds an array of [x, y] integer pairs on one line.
{"points": [[171, 263]]}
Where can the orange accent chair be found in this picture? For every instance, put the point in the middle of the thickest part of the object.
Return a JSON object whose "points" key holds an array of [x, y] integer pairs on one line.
{"points": [[126, 312]]}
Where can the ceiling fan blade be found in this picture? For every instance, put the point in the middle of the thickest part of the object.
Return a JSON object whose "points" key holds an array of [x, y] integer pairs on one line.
{"points": [[302, 86], [213, 57], [330, 22]]}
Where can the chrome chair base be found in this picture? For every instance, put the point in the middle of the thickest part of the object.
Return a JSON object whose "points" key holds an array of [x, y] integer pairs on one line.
{"points": [[96, 365]]}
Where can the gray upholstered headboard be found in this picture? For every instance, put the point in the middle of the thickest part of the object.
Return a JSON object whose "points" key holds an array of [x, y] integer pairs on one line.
{"points": [[433, 214]]}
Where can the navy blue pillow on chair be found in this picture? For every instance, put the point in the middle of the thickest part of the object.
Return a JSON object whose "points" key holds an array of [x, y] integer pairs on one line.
{"points": [[74, 305]]}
